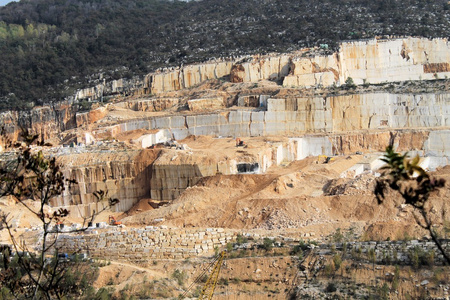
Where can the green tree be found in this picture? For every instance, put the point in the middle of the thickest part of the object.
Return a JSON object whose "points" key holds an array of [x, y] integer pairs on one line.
{"points": [[349, 83]]}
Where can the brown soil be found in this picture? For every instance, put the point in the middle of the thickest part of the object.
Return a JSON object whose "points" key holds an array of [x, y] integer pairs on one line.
{"points": [[304, 196], [261, 275]]}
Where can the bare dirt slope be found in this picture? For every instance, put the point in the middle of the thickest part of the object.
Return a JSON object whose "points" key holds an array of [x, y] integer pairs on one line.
{"points": [[304, 196]]}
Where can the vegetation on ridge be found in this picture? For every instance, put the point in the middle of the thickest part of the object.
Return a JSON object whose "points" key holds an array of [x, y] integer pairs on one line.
{"points": [[49, 47]]}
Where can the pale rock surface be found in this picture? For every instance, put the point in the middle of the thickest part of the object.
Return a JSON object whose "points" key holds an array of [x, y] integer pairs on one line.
{"points": [[206, 104]]}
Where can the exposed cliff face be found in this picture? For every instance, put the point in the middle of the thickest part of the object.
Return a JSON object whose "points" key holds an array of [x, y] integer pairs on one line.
{"points": [[300, 115], [176, 170], [154, 104], [185, 77], [397, 60], [371, 61], [378, 141], [125, 175], [134, 86], [45, 121], [374, 61], [91, 116]]}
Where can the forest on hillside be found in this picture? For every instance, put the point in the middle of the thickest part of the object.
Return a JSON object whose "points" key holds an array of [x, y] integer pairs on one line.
{"points": [[49, 48]]}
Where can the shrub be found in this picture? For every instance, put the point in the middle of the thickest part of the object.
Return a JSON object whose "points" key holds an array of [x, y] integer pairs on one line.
{"points": [[337, 260], [298, 249], [440, 276], [102, 294], [396, 279], [383, 292], [236, 280], [267, 244], [110, 281], [349, 83], [429, 258], [223, 281], [240, 239], [331, 288], [329, 270], [338, 237], [371, 255], [179, 276]]}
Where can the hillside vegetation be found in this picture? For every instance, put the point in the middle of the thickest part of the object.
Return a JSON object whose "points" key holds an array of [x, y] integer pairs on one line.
{"points": [[51, 47]]}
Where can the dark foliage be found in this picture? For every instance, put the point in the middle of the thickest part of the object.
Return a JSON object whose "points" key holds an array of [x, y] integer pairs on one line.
{"points": [[51, 47]]}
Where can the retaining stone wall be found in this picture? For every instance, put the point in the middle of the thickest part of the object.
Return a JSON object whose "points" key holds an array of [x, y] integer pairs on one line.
{"points": [[143, 244], [140, 245]]}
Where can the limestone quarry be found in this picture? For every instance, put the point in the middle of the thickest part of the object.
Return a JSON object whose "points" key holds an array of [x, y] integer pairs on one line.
{"points": [[166, 146]]}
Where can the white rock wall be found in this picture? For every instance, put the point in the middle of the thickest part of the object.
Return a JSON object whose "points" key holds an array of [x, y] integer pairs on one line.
{"points": [[396, 60], [371, 61], [374, 61], [298, 116]]}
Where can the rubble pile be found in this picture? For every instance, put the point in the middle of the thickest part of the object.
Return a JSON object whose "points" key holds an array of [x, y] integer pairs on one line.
{"points": [[350, 186]]}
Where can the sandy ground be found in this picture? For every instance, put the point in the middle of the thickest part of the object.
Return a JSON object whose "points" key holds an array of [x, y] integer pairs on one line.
{"points": [[304, 196]]}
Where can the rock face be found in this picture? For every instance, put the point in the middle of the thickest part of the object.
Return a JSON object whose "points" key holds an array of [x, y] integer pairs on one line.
{"points": [[175, 170], [206, 104], [300, 115], [133, 86], [131, 175], [262, 67], [372, 61], [185, 77], [170, 180], [124, 174], [91, 116], [153, 104], [336, 124], [45, 121]]}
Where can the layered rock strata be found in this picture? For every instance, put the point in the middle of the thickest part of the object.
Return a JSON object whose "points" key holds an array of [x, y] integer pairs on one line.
{"points": [[152, 104], [296, 116], [371, 61], [176, 170]]}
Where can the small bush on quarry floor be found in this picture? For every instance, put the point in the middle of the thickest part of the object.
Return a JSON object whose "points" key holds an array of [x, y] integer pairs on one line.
{"points": [[179, 276]]}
